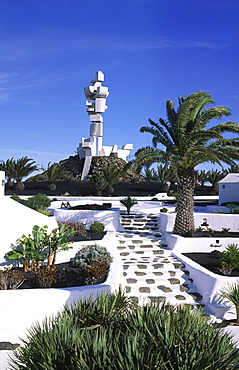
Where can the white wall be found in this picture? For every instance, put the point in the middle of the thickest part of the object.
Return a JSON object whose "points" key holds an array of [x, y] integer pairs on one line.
{"points": [[230, 193], [20, 308], [110, 219], [17, 219], [215, 221], [208, 284]]}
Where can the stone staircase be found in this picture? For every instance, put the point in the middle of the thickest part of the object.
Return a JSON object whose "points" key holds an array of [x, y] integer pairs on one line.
{"points": [[150, 271]]}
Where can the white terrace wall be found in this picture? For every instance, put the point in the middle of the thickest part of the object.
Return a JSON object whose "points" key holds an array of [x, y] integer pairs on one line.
{"points": [[215, 221], [110, 219], [21, 308], [17, 219], [208, 284]]}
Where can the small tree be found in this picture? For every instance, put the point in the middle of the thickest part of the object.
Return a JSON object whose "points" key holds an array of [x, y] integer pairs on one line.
{"points": [[129, 203], [58, 240]]}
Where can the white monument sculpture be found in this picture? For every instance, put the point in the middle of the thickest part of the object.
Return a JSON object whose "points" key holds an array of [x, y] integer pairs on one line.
{"points": [[96, 95]]}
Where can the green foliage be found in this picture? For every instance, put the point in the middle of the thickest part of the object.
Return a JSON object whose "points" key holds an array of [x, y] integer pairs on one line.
{"points": [[89, 254], [96, 270], [229, 259], [30, 247], [111, 333], [54, 172], [44, 277], [33, 248], [186, 140], [112, 174], [97, 227], [128, 203], [99, 182], [164, 210], [154, 199], [11, 279], [19, 168], [58, 240], [79, 227], [39, 202], [17, 198], [231, 292]]}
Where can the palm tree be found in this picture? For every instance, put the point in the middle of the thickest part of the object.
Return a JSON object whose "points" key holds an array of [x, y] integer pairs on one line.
{"points": [[189, 143], [165, 175], [112, 174], [6, 167], [20, 168], [201, 176], [52, 173], [213, 177]]}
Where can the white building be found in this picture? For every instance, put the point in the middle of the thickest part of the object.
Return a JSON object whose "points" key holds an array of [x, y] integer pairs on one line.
{"points": [[228, 188]]}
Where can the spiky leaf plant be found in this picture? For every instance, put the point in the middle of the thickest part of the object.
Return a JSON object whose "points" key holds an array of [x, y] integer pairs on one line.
{"points": [[128, 203], [109, 333], [231, 293]]}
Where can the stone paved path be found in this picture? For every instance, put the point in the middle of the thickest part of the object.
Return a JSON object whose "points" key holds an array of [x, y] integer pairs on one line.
{"points": [[150, 272]]}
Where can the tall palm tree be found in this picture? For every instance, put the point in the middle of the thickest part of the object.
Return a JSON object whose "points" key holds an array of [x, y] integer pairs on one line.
{"points": [[17, 169], [189, 143]]}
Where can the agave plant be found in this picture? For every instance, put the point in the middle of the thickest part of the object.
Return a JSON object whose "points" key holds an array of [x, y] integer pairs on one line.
{"points": [[231, 293], [112, 333]]}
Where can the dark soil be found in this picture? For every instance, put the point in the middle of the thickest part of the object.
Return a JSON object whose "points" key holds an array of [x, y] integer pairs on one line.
{"points": [[90, 236], [67, 276], [91, 207], [85, 188], [214, 234], [210, 261]]}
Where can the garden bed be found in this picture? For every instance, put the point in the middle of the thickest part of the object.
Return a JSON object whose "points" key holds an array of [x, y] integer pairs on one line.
{"points": [[90, 236], [67, 276], [210, 261], [213, 234], [91, 207]]}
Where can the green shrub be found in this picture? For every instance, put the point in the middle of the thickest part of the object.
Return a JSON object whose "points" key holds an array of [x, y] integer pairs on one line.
{"points": [[89, 254], [78, 226], [154, 200], [97, 227], [39, 201], [229, 259], [17, 198], [164, 210], [44, 277], [110, 333]]}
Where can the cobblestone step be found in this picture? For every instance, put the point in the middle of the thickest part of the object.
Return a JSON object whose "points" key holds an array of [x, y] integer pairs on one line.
{"points": [[150, 272]]}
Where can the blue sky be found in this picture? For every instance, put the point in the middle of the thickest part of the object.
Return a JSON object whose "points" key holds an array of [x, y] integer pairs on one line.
{"points": [[149, 51]]}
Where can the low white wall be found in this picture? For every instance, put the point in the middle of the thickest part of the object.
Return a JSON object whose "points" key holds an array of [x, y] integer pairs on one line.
{"points": [[215, 221], [20, 308], [208, 284], [16, 220], [110, 219]]}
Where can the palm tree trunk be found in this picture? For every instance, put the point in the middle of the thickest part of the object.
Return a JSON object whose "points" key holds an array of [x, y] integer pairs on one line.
{"points": [[184, 221]]}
